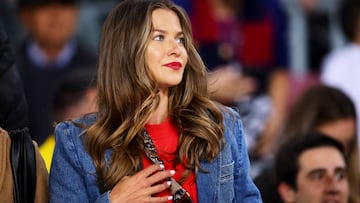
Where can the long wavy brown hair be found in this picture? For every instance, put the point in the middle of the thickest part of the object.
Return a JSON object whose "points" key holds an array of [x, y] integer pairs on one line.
{"points": [[127, 96]]}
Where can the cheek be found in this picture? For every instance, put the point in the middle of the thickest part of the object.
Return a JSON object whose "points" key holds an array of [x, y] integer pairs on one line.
{"points": [[39, 29], [150, 66], [149, 61], [307, 186], [43, 24], [345, 188], [69, 18], [344, 185], [310, 191], [39, 21], [184, 56], [153, 57]]}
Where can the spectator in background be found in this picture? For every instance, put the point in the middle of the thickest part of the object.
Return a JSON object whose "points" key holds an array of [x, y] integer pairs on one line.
{"points": [[12, 101], [341, 67], [326, 109], [311, 168], [242, 44], [48, 53], [74, 97], [329, 111], [23, 176]]}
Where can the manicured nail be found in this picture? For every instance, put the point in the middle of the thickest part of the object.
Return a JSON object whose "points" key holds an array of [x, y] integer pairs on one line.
{"points": [[170, 197], [162, 166], [168, 182], [172, 172]]}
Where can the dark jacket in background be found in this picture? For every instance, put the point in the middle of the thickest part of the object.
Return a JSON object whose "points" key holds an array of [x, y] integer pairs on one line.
{"points": [[13, 107], [23, 176], [40, 85]]}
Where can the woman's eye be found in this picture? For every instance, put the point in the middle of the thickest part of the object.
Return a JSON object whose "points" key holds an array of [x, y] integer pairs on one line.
{"points": [[180, 40], [158, 38]]}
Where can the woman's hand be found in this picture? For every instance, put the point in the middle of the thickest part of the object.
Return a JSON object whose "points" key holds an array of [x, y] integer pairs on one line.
{"points": [[141, 186]]}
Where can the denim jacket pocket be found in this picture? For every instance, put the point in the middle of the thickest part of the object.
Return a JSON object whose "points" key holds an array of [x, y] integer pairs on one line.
{"points": [[227, 173], [227, 182]]}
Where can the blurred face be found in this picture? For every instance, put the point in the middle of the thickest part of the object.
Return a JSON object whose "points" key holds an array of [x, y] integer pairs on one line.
{"points": [[165, 55], [53, 24], [342, 130], [322, 177]]}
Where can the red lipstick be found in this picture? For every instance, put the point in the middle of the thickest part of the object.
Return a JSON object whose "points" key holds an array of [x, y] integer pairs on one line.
{"points": [[174, 65]]}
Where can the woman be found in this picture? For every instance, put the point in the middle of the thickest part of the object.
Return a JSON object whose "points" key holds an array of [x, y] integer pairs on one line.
{"points": [[153, 102]]}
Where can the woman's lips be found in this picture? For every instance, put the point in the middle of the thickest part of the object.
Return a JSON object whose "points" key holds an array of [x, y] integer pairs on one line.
{"points": [[174, 65]]}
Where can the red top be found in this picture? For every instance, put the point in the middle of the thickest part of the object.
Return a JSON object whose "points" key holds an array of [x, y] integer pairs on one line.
{"points": [[165, 138]]}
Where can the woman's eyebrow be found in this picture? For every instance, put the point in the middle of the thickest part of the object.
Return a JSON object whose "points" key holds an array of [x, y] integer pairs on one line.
{"points": [[165, 32]]}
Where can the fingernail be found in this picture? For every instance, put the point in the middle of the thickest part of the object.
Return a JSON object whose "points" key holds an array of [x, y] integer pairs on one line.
{"points": [[162, 166], [168, 182], [172, 172], [170, 197]]}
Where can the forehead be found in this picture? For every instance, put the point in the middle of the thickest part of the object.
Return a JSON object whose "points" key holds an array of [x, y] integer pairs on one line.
{"points": [[342, 129], [325, 157], [165, 17]]}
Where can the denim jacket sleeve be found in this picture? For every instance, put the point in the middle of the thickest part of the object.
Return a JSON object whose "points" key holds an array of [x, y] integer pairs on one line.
{"points": [[72, 173], [228, 178], [245, 189]]}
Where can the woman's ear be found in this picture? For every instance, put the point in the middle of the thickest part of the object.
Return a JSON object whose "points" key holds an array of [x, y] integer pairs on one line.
{"points": [[286, 192]]}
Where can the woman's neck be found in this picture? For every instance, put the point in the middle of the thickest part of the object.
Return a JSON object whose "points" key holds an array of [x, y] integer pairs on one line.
{"points": [[161, 113]]}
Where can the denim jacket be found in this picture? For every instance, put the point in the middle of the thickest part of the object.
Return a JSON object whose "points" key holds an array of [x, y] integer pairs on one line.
{"points": [[73, 174]]}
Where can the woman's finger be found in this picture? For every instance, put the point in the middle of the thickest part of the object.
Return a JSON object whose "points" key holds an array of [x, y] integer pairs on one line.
{"points": [[160, 176], [146, 172]]}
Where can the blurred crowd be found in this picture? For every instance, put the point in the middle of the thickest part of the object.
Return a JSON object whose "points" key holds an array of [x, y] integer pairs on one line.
{"points": [[289, 67]]}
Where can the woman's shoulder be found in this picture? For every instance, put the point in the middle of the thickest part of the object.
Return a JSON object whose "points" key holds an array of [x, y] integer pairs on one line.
{"points": [[233, 128], [229, 114], [74, 128], [71, 160]]}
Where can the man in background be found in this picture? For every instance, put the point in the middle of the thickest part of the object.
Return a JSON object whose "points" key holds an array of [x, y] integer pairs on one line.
{"points": [[49, 52], [311, 168]]}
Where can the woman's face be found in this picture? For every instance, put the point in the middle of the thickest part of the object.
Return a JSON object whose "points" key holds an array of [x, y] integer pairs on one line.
{"points": [[343, 130], [165, 55]]}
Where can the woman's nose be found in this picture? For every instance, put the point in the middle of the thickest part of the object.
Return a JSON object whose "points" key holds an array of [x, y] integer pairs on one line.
{"points": [[174, 48]]}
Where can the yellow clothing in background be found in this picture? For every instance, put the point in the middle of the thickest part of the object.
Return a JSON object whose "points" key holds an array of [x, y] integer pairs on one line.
{"points": [[47, 150]]}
